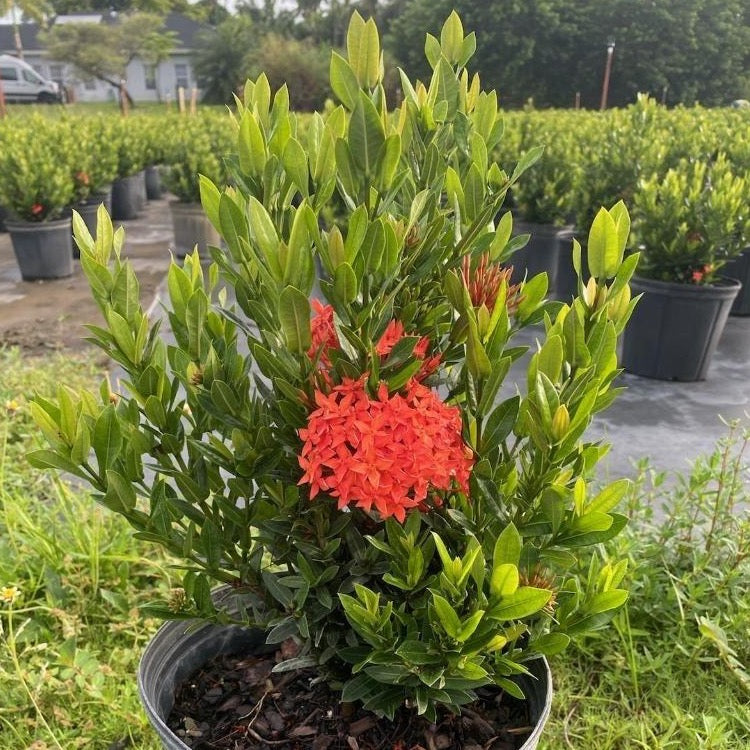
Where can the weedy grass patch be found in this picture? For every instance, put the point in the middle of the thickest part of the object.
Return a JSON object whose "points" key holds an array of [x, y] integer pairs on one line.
{"points": [[674, 672]]}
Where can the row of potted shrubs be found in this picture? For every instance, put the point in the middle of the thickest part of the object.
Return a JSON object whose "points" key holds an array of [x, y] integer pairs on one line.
{"points": [[685, 176], [50, 166]]}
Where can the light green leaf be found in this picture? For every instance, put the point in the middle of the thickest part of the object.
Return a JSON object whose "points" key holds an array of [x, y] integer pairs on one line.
{"points": [[294, 314]]}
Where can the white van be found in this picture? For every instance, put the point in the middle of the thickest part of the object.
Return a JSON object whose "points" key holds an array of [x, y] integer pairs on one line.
{"points": [[21, 83]]}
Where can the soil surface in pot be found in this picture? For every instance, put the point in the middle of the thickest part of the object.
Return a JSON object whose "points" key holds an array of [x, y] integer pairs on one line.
{"points": [[237, 702]]}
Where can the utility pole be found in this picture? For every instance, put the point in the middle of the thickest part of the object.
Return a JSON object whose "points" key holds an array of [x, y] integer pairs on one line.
{"points": [[607, 72]]}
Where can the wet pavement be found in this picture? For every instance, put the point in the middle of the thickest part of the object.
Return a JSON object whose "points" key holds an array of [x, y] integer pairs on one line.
{"points": [[670, 423]]}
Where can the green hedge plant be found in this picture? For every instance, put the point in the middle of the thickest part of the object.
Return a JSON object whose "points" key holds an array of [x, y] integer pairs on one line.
{"points": [[691, 221], [458, 536], [36, 176]]}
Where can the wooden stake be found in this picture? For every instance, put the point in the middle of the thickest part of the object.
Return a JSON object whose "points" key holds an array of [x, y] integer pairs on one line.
{"points": [[193, 101], [578, 99], [181, 100], [2, 100]]}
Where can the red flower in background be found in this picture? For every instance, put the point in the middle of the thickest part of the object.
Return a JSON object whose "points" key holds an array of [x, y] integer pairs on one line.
{"points": [[384, 454], [37, 209]]}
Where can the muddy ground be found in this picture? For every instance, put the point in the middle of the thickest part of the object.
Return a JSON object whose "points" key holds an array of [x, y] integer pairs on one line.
{"points": [[39, 316]]}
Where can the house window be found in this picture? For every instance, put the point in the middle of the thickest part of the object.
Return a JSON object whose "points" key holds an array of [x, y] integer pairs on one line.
{"points": [[9, 74], [149, 73], [181, 75], [90, 84]]}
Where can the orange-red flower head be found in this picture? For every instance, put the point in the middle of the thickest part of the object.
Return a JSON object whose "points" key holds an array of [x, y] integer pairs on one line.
{"points": [[386, 453]]}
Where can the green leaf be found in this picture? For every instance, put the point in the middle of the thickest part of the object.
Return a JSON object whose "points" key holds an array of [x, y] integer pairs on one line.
{"points": [[366, 134], [447, 615], [295, 164], [605, 601], [609, 497], [251, 145], [432, 50], [504, 580], [107, 438], [526, 601], [345, 283], [344, 81], [294, 314], [603, 251], [507, 547], [363, 47], [500, 423], [119, 492], [452, 37], [550, 644]]}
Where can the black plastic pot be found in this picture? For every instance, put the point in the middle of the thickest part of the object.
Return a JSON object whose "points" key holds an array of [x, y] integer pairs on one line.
{"points": [[3, 217], [153, 183], [127, 196], [191, 227], [739, 268], [540, 254], [44, 250], [179, 648], [675, 328]]}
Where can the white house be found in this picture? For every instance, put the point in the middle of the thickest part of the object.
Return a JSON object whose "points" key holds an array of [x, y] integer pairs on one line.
{"points": [[144, 82]]}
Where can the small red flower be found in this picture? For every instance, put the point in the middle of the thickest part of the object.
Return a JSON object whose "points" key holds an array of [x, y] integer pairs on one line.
{"points": [[697, 276], [385, 454], [323, 332], [83, 178], [37, 209]]}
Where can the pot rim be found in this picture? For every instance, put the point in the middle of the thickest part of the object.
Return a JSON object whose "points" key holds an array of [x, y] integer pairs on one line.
{"points": [[21, 225], [724, 286]]}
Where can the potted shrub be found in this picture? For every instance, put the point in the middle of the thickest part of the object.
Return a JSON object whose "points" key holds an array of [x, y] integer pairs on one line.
{"points": [[36, 188], [390, 526], [543, 199], [129, 187], [197, 147], [95, 157], [687, 225]]}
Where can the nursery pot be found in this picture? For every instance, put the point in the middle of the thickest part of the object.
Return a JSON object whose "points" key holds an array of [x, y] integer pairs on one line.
{"points": [[739, 268], [3, 218], [44, 250], [191, 228], [540, 254], [179, 648], [127, 196], [675, 328], [153, 183], [141, 185]]}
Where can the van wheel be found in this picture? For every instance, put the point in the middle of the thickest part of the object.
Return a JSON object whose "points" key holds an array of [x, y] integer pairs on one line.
{"points": [[47, 98]]}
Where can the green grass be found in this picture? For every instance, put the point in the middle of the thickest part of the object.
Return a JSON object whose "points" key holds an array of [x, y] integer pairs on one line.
{"points": [[71, 641]]}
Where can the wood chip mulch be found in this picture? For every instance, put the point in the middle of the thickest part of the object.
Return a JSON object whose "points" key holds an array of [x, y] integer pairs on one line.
{"points": [[236, 703]]}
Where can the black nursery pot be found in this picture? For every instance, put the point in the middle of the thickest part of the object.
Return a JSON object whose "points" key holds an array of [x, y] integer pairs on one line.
{"points": [[128, 196], [44, 250], [153, 183], [739, 268], [675, 328], [181, 647], [539, 255]]}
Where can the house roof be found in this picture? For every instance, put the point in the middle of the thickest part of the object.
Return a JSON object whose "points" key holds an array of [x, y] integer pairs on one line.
{"points": [[185, 28], [29, 38]]}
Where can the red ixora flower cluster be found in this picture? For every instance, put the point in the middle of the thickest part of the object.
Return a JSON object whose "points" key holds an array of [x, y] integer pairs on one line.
{"points": [[324, 339], [383, 453], [37, 209]]}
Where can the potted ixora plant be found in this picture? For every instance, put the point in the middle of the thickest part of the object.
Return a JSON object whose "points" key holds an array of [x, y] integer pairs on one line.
{"points": [[94, 154], [687, 225], [129, 187], [198, 146], [36, 188], [406, 545], [543, 201]]}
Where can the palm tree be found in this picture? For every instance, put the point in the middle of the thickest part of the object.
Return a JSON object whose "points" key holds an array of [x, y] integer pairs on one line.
{"points": [[32, 8]]}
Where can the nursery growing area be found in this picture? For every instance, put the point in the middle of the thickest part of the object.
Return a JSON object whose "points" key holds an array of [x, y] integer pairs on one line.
{"points": [[324, 433]]}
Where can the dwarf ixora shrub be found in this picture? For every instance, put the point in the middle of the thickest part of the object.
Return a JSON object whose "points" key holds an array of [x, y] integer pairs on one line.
{"points": [[197, 145], [351, 466], [36, 176]]}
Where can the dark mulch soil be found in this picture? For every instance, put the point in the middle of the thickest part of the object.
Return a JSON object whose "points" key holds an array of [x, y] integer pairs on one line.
{"points": [[236, 703]]}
